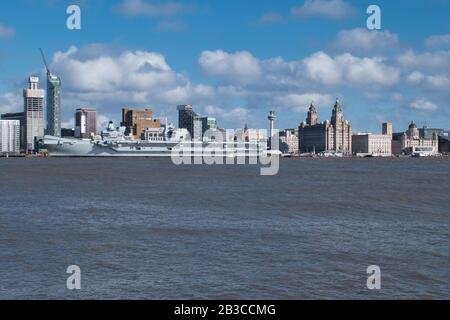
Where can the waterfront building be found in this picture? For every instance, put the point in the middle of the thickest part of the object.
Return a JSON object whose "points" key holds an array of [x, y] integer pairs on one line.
{"points": [[249, 135], [209, 123], [444, 144], [404, 142], [188, 119], [289, 141], [427, 133], [67, 133], [373, 144], [20, 116], [388, 129], [53, 102], [53, 105], [9, 136], [137, 121], [85, 123], [334, 135], [34, 113]]}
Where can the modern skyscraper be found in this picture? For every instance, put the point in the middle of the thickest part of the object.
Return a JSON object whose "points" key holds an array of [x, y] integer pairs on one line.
{"points": [[34, 113], [188, 119], [9, 136], [136, 121], [53, 105], [53, 102], [85, 123]]}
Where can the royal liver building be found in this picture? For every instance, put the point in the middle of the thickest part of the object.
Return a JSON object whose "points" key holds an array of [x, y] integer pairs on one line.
{"points": [[334, 135]]}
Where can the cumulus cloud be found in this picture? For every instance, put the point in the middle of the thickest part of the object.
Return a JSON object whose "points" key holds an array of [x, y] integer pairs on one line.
{"points": [[365, 41], [336, 9], [11, 102], [301, 102], [133, 8], [241, 67], [351, 70], [112, 79], [422, 104], [437, 82], [415, 77], [438, 41], [237, 115], [425, 61], [6, 32]]}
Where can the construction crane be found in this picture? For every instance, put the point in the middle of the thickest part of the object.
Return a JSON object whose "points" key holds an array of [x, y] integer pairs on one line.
{"points": [[45, 61]]}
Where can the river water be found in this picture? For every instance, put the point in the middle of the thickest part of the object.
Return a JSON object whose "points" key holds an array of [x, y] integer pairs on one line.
{"points": [[147, 229]]}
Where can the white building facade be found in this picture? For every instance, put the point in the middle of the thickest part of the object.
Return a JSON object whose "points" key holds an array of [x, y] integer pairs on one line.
{"points": [[34, 113], [9, 136], [372, 144]]}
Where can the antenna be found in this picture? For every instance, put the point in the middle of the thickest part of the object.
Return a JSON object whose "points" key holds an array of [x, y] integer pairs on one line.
{"points": [[45, 61]]}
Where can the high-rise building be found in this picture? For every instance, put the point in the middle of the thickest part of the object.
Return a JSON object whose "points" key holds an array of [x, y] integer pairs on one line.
{"points": [[53, 102], [53, 105], [20, 116], [9, 136], [85, 123], [34, 113], [137, 121], [188, 119], [334, 135]]}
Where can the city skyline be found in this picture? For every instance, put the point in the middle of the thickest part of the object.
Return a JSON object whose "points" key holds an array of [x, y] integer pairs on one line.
{"points": [[311, 58]]}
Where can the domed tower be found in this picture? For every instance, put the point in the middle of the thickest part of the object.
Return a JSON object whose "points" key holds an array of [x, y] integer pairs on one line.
{"points": [[312, 118], [413, 131], [338, 115]]}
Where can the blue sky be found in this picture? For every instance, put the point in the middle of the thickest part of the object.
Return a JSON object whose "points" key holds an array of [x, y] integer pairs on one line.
{"points": [[236, 59]]}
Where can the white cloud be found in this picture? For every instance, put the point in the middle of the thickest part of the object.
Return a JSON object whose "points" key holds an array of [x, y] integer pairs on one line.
{"points": [[350, 70], [439, 82], [415, 77], [236, 115], [134, 8], [11, 102], [425, 61], [438, 41], [240, 67], [322, 68], [365, 41], [433, 82], [336, 9], [6, 32], [423, 105], [301, 102]]}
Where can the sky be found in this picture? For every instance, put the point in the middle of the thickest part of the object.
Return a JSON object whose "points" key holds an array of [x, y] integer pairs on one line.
{"points": [[235, 59]]}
